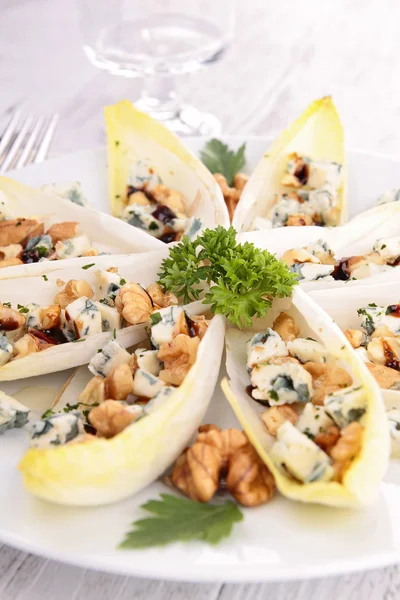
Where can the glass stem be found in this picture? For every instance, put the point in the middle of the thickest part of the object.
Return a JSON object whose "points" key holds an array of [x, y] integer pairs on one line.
{"points": [[159, 97]]}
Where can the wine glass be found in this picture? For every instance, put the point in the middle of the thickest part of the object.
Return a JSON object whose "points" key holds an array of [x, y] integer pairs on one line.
{"points": [[159, 40]]}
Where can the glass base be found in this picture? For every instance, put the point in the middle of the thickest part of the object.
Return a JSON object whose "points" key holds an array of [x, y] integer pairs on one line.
{"points": [[185, 120]]}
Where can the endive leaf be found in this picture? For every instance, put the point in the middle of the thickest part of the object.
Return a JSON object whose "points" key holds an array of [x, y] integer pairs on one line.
{"points": [[102, 470], [361, 481], [140, 146], [317, 133]]}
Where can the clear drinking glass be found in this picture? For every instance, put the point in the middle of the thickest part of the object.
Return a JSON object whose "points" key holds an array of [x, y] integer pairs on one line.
{"points": [[159, 40]]}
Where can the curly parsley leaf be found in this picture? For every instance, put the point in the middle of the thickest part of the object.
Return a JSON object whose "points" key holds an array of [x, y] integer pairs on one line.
{"points": [[242, 279], [180, 519], [219, 158]]}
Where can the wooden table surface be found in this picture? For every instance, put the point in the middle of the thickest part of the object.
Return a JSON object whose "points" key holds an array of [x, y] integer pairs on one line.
{"points": [[285, 54]]}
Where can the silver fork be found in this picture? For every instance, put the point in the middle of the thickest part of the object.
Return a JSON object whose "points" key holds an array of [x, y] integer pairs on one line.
{"points": [[26, 141]]}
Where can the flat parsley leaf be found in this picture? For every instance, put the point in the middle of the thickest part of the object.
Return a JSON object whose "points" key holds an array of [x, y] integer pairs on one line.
{"points": [[218, 158], [180, 519]]}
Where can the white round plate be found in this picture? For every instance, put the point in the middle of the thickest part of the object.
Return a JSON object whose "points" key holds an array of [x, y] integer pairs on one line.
{"points": [[279, 541]]}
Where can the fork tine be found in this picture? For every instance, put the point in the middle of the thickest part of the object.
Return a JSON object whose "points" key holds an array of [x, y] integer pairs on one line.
{"points": [[9, 131], [25, 154], [16, 144], [46, 141]]}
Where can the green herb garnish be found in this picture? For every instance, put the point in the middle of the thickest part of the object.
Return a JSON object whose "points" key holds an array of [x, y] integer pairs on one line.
{"points": [[7, 304], [45, 277], [180, 519], [155, 318], [241, 279], [274, 395], [218, 158], [122, 281], [47, 413], [22, 308], [88, 266]]}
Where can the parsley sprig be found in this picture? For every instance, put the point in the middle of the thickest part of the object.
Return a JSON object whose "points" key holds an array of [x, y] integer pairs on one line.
{"points": [[218, 158], [180, 519], [239, 281]]}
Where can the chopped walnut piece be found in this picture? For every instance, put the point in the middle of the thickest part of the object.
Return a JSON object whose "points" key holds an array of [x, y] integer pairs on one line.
{"points": [[10, 319], [63, 231], [161, 299], [382, 331], [110, 418], [50, 316], [217, 453], [10, 262], [354, 336], [300, 220], [74, 289], [328, 438], [173, 199], [239, 181], [139, 198], [112, 270], [178, 356], [286, 327], [386, 377], [248, 479], [134, 303], [119, 383], [60, 283], [94, 392], [200, 325], [231, 194], [299, 255], [11, 251], [384, 351], [275, 416], [346, 448], [355, 262], [289, 180], [327, 379], [197, 471], [90, 252], [29, 343], [16, 231]]}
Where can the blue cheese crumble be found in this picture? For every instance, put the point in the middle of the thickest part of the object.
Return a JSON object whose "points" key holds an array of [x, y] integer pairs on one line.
{"points": [[112, 355], [264, 346], [299, 456], [281, 384], [345, 406], [13, 414], [57, 429]]}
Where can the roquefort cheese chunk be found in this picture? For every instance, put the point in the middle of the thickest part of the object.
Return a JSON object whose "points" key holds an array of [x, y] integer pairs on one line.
{"points": [[73, 247], [346, 405], [112, 355], [146, 385], [264, 346], [379, 316], [299, 456], [140, 216], [308, 350], [13, 414], [57, 429], [111, 320], [368, 269], [312, 271], [148, 361], [6, 350], [313, 420], [281, 384], [32, 315], [321, 250], [324, 172], [42, 244], [108, 284], [69, 191], [388, 248], [163, 331], [85, 316]]}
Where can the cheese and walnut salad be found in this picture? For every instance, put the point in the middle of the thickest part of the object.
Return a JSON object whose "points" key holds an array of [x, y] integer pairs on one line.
{"points": [[156, 208], [309, 196], [317, 261], [125, 386], [31, 240], [78, 311], [315, 409]]}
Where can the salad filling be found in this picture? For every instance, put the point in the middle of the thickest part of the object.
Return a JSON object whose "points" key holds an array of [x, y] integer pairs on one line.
{"points": [[315, 409], [78, 311], [317, 261], [127, 386]]}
